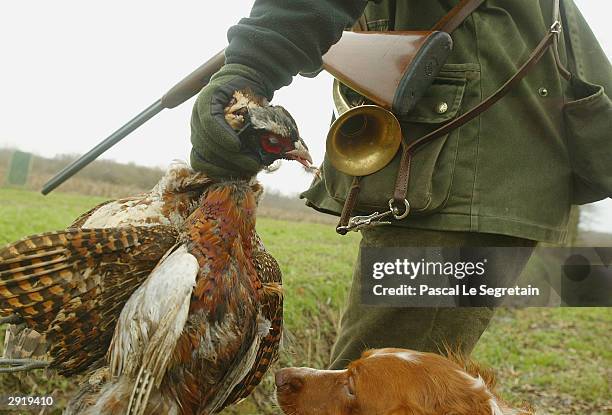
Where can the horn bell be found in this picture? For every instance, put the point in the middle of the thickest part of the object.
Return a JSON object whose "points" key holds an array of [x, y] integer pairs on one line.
{"points": [[363, 140]]}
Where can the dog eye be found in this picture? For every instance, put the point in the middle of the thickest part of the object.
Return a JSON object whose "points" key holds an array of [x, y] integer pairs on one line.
{"points": [[350, 386]]}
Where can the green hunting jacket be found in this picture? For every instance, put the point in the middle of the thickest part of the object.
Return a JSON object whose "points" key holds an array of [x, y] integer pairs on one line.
{"points": [[506, 172]]}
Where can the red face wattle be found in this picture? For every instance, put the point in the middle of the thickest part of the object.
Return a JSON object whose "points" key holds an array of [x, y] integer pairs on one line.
{"points": [[284, 147], [275, 144]]}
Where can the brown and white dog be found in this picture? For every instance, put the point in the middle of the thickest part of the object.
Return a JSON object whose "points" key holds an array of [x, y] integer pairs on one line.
{"points": [[392, 382]]}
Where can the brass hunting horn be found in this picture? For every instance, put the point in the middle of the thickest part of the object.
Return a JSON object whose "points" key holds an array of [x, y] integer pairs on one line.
{"points": [[364, 138]]}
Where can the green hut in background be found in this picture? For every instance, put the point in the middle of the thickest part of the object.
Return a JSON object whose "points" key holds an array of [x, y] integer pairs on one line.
{"points": [[19, 169]]}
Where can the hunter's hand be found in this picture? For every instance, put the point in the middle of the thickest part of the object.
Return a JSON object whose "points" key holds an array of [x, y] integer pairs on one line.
{"points": [[216, 148]]}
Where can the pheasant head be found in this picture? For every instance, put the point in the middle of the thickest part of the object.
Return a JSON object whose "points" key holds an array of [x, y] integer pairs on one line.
{"points": [[269, 132]]}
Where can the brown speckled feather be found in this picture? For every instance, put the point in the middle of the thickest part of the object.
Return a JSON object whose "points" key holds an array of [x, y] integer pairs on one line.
{"points": [[21, 342]]}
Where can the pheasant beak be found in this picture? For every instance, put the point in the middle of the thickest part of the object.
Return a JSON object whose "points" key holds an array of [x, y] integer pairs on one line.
{"points": [[300, 153]]}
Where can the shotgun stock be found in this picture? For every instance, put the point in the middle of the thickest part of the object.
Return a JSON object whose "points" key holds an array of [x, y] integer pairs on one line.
{"points": [[391, 69]]}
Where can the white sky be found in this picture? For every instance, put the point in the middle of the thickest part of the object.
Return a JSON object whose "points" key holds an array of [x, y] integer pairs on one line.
{"points": [[72, 72]]}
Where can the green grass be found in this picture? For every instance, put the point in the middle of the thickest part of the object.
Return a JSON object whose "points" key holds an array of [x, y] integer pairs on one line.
{"points": [[23, 212], [317, 265], [557, 359]]}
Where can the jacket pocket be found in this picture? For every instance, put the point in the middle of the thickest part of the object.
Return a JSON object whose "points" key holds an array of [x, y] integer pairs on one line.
{"points": [[588, 122], [432, 165]]}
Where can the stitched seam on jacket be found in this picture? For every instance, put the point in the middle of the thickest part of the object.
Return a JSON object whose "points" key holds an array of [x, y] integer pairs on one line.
{"points": [[521, 221], [473, 208]]}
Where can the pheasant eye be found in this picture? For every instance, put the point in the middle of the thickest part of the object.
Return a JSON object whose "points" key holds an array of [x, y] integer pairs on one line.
{"points": [[274, 144]]}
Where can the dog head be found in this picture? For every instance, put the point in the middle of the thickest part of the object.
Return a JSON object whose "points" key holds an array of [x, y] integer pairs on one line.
{"points": [[388, 382]]}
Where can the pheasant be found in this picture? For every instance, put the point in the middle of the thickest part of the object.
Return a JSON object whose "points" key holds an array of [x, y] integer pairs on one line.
{"points": [[169, 301]]}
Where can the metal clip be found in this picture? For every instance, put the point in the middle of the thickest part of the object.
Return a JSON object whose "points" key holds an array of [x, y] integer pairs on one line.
{"points": [[375, 219], [556, 27]]}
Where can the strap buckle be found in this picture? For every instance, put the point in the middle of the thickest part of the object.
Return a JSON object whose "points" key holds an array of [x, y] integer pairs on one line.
{"points": [[357, 223], [396, 211], [556, 27]]}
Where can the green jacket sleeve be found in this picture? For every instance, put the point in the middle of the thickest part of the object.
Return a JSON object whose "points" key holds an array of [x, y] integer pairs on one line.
{"points": [[284, 37]]}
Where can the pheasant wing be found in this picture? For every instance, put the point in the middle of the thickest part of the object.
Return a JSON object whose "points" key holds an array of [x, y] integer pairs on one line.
{"points": [[151, 323], [71, 285]]}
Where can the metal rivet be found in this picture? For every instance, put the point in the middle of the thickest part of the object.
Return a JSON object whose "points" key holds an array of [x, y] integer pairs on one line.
{"points": [[543, 92], [442, 107]]}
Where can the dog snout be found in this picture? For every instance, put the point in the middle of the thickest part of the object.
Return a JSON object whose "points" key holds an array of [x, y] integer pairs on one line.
{"points": [[290, 378]]}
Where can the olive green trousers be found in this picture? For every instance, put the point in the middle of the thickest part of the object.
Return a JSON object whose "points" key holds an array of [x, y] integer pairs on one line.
{"points": [[425, 329]]}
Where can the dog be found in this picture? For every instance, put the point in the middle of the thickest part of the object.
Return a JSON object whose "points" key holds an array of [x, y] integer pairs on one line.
{"points": [[393, 382]]}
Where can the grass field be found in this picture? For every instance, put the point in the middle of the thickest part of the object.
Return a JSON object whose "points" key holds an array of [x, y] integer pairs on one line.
{"points": [[557, 359]]}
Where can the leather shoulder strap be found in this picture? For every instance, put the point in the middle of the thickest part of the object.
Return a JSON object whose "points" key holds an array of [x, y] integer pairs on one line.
{"points": [[457, 15], [447, 24]]}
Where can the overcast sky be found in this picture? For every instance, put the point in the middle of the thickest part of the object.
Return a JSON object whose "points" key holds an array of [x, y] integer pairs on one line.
{"points": [[73, 71]]}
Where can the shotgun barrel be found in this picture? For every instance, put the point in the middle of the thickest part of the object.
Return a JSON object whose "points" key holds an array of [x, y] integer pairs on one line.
{"points": [[179, 93]]}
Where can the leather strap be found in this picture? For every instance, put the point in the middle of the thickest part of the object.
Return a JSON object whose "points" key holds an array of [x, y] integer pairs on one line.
{"points": [[449, 23], [403, 176], [349, 206], [557, 18], [457, 15]]}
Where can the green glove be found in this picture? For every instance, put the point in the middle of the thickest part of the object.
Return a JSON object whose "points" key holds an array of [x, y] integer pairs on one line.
{"points": [[216, 148]]}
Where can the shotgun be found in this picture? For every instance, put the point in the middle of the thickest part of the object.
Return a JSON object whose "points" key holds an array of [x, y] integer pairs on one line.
{"points": [[392, 69]]}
